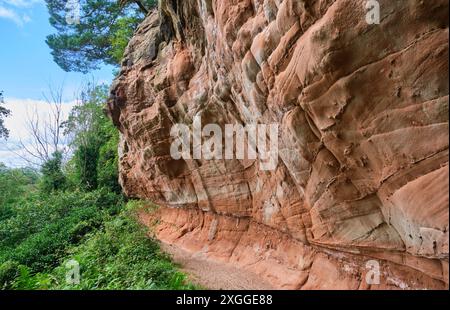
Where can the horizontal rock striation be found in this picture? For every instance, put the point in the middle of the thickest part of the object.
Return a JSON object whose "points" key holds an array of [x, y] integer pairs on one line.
{"points": [[362, 110]]}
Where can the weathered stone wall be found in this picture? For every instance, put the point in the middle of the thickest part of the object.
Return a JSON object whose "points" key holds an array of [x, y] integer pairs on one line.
{"points": [[363, 140]]}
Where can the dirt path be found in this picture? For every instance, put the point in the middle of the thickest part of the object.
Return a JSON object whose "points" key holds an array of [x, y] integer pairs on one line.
{"points": [[213, 275]]}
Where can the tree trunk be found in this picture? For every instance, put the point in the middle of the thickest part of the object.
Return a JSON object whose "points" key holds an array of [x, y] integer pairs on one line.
{"points": [[141, 6]]}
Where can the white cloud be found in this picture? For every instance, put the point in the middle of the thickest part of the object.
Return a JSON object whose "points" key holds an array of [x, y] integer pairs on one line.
{"points": [[22, 3], [16, 10], [21, 111], [12, 16]]}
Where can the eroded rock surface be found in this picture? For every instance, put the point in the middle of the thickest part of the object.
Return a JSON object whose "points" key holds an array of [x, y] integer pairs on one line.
{"points": [[363, 142]]}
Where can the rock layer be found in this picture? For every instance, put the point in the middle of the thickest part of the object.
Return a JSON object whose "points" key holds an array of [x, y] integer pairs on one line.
{"points": [[362, 177]]}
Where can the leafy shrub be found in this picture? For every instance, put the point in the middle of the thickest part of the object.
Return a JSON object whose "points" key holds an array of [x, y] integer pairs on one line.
{"points": [[95, 161], [14, 183], [108, 161], [9, 271], [45, 226], [122, 256], [53, 178], [113, 250]]}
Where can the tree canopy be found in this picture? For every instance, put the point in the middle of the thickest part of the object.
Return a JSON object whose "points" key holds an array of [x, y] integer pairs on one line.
{"points": [[99, 37], [95, 140]]}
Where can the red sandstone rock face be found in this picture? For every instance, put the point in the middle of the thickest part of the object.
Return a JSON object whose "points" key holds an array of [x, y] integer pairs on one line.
{"points": [[363, 141]]}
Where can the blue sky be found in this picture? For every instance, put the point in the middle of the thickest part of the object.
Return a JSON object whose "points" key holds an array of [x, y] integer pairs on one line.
{"points": [[26, 64], [27, 68]]}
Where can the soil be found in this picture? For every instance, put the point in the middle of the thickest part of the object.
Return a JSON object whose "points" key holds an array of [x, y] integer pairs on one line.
{"points": [[213, 275]]}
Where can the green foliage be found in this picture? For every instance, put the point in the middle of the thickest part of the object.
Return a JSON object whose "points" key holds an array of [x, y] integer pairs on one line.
{"points": [[43, 227], [14, 183], [108, 159], [120, 37], [114, 252], [122, 256], [9, 271], [101, 35], [20, 277], [25, 279], [95, 160], [86, 157], [53, 178]]}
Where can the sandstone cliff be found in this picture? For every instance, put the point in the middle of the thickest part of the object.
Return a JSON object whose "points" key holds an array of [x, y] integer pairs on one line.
{"points": [[363, 141]]}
